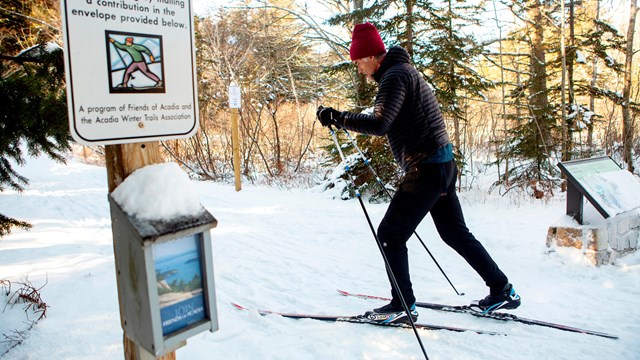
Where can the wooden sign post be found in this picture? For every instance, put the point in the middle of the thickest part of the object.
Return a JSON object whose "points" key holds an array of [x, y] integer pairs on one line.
{"points": [[236, 148], [234, 104], [133, 83], [122, 160]]}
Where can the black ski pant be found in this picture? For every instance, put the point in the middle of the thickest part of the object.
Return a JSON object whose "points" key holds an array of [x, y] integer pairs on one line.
{"points": [[430, 188]]}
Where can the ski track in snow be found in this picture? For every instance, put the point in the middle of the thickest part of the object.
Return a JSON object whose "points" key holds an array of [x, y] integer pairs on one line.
{"points": [[289, 251]]}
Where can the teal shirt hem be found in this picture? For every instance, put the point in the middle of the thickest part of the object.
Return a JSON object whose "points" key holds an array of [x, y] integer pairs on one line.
{"points": [[442, 155]]}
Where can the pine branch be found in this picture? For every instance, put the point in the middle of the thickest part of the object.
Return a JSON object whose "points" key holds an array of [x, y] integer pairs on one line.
{"points": [[7, 223]]}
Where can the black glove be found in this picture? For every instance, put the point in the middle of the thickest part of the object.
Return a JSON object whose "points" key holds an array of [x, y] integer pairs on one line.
{"points": [[328, 116]]}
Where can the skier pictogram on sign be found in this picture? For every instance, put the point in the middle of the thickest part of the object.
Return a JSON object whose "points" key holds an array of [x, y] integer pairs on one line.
{"points": [[135, 63]]}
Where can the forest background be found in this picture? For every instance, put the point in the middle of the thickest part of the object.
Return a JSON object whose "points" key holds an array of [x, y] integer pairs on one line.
{"points": [[523, 85]]}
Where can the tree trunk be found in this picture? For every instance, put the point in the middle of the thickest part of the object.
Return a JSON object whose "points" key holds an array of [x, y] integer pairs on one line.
{"points": [[563, 97], [361, 80], [457, 138], [502, 101], [538, 90], [571, 54], [410, 25], [592, 98], [277, 148], [627, 123]]}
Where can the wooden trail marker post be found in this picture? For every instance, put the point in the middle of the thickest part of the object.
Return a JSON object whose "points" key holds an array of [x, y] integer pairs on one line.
{"points": [[234, 104], [131, 82]]}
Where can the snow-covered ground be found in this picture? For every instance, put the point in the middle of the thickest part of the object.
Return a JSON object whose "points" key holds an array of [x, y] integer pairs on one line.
{"points": [[289, 251]]}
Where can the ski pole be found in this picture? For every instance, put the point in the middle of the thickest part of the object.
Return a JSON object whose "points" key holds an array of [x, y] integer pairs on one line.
{"points": [[375, 174], [394, 282]]}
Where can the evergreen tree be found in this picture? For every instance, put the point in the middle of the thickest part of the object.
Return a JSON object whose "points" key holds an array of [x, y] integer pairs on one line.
{"points": [[362, 95], [532, 137], [33, 107], [446, 52], [545, 124], [591, 49], [599, 42], [433, 33]]}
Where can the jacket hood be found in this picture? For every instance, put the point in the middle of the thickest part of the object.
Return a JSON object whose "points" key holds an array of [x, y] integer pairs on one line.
{"points": [[395, 55]]}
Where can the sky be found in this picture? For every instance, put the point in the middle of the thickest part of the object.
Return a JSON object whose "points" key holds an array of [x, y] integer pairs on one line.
{"points": [[203, 6]]}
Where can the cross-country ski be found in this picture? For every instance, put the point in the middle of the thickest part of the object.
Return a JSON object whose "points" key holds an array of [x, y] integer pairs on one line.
{"points": [[491, 315], [358, 319]]}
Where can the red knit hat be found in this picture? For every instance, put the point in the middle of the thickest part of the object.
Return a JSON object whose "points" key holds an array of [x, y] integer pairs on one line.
{"points": [[365, 42]]}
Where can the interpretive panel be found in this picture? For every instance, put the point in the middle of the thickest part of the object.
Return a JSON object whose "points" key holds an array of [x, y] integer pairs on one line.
{"points": [[609, 188]]}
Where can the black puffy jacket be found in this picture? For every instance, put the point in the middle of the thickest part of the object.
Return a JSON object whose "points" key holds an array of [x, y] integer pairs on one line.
{"points": [[405, 110]]}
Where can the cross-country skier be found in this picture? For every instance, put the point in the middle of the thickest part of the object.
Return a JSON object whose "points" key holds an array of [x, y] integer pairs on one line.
{"points": [[407, 113]]}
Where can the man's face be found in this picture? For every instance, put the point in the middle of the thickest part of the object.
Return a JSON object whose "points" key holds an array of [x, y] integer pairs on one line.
{"points": [[367, 66]]}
